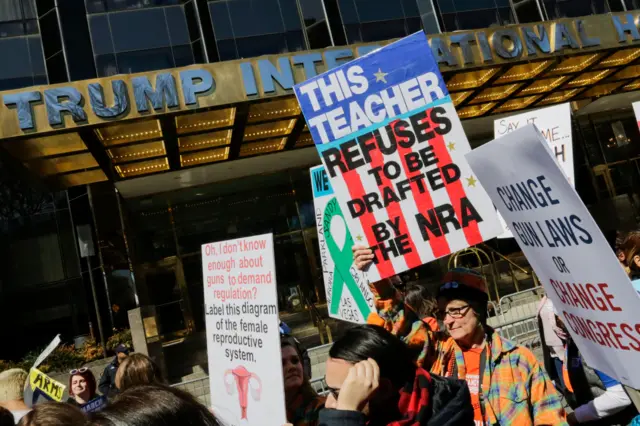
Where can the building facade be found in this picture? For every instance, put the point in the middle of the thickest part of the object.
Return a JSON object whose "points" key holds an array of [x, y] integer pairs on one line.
{"points": [[133, 131]]}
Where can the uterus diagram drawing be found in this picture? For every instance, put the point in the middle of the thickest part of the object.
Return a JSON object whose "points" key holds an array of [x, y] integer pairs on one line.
{"points": [[245, 383]]}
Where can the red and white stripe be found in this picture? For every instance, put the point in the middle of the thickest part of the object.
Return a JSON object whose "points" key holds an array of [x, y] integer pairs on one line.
{"points": [[358, 182]]}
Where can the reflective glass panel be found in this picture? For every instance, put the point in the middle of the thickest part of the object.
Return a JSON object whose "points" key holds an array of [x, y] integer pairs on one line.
{"points": [[574, 8], [375, 20], [258, 27], [474, 14]]}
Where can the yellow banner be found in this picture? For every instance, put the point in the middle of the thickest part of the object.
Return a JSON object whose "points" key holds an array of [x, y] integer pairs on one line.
{"points": [[46, 384]]}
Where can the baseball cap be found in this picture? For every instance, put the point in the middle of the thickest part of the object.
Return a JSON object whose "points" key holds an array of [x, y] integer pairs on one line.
{"points": [[122, 349]]}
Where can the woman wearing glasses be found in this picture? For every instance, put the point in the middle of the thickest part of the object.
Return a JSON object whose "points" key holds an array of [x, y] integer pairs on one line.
{"points": [[507, 384], [82, 386]]}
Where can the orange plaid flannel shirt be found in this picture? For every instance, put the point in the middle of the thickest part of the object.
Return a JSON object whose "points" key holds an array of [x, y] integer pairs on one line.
{"points": [[515, 388], [390, 315]]}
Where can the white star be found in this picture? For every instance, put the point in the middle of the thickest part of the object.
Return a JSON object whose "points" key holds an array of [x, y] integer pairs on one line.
{"points": [[380, 76]]}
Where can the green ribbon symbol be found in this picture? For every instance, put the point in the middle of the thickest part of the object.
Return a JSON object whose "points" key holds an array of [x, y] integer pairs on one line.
{"points": [[343, 260]]}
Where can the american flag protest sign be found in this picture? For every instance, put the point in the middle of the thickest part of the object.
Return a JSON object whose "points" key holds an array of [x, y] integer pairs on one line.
{"points": [[393, 147]]}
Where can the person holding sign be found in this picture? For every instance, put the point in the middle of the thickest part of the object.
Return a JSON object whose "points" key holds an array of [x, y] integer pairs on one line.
{"points": [[595, 397], [507, 384], [303, 403], [373, 380], [409, 316]]}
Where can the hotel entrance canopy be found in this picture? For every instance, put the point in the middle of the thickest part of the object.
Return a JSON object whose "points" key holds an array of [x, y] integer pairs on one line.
{"points": [[129, 126]]}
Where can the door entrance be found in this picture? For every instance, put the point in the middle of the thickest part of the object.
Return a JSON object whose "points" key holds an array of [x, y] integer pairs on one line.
{"points": [[168, 293]]}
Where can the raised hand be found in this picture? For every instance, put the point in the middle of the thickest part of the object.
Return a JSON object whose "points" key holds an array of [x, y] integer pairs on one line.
{"points": [[363, 257]]}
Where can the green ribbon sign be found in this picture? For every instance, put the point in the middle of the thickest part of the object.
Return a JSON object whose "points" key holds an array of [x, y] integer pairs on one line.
{"points": [[343, 260]]}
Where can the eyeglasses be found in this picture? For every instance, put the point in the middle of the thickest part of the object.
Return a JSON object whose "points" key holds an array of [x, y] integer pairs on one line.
{"points": [[78, 370], [455, 313]]}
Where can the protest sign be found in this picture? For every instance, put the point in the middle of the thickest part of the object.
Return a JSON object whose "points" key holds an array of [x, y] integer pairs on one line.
{"points": [[47, 351], [566, 249], [393, 147], [636, 111], [243, 337], [94, 405], [555, 125], [348, 294], [41, 388]]}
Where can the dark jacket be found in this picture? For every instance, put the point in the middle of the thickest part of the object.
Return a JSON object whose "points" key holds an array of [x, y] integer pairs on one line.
{"points": [[107, 385], [587, 386], [428, 401]]}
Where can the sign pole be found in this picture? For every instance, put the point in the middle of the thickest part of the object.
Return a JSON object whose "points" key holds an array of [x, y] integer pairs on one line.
{"points": [[96, 305]]}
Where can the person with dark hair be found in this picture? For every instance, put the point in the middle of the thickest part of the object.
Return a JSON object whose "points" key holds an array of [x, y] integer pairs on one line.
{"points": [[54, 414], [136, 370], [303, 403], [286, 332], [373, 381], [154, 406], [107, 384], [409, 315], [82, 386], [507, 383], [6, 418]]}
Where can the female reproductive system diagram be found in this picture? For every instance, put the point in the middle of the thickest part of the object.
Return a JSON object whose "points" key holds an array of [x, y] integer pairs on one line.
{"points": [[245, 382]]}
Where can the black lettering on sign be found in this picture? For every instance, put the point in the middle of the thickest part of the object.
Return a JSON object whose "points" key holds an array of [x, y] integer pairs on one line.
{"points": [[442, 219], [321, 181]]}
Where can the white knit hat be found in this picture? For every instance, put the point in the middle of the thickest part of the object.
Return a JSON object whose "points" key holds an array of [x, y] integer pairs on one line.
{"points": [[12, 384]]}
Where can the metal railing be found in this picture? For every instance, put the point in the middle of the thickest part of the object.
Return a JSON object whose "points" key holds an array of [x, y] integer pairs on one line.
{"points": [[320, 386]]}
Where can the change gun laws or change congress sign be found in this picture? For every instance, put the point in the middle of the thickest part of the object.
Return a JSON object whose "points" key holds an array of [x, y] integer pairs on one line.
{"points": [[393, 148], [348, 294], [555, 125], [243, 334], [566, 249]]}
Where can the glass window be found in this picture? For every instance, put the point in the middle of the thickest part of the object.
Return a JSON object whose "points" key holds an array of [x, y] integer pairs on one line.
{"points": [[99, 6], [17, 10], [43, 6], [221, 20], [227, 50], [183, 55], [257, 27], [632, 4], [374, 20], [527, 11], [35, 54], [100, 34], [474, 14], [574, 8], [428, 16], [136, 30], [145, 60], [177, 24], [56, 68], [20, 65], [141, 40], [315, 23], [106, 65], [17, 18], [255, 17], [52, 44]]}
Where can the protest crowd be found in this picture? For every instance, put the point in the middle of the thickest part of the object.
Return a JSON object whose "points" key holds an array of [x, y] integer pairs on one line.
{"points": [[419, 358]]}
